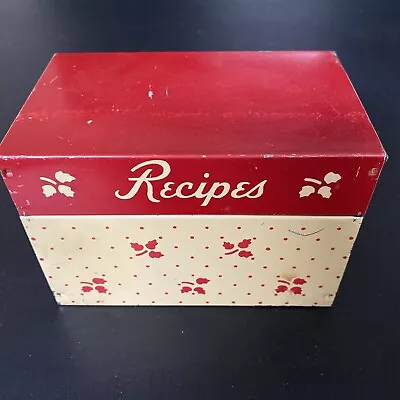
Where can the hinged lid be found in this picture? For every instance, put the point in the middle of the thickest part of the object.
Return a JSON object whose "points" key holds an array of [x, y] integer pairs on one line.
{"points": [[284, 130]]}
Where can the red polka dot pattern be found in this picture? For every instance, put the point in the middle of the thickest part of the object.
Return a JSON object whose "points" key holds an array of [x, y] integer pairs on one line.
{"points": [[284, 262]]}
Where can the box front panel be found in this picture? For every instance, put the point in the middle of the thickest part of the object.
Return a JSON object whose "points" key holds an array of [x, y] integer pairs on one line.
{"points": [[225, 185], [193, 260]]}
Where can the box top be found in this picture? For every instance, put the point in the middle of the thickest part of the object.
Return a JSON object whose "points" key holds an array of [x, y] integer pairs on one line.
{"points": [[246, 133], [198, 104]]}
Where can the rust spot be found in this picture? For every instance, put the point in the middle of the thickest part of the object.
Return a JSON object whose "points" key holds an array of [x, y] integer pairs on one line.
{"points": [[373, 171]]}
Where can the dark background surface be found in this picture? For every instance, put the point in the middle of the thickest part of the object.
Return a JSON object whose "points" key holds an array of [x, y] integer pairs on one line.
{"points": [[349, 351]]}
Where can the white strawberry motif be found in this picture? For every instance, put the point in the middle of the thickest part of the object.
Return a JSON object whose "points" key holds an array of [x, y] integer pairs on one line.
{"points": [[306, 191], [61, 177], [331, 177], [324, 191]]}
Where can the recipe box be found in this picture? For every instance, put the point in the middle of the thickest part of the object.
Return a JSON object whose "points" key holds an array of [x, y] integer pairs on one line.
{"points": [[213, 178]]}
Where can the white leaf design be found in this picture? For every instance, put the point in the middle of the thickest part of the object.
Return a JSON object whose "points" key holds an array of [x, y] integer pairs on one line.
{"points": [[331, 177], [325, 192], [66, 190], [306, 191], [64, 177], [48, 190]]}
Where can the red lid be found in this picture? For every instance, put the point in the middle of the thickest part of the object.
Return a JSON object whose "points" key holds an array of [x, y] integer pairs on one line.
{"points": [[282, 117]]}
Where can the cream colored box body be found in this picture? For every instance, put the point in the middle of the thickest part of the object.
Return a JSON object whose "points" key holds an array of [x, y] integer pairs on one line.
{"points": [[193, 260]]}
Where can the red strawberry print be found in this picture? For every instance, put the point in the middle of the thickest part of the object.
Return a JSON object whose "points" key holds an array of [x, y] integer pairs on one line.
{"points": [[245, 254], [244, 244], [202, 281], [151, 244], [99, 281], [142, 250], [228, 246], [286, 285], [296, 290], [281, 289], [197, 289], [101, 289], [155, 254], [232, 248]]}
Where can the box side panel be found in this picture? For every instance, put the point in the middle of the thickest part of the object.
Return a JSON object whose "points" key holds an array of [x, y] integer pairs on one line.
{"points": [[193, 260], [193, 185]]}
